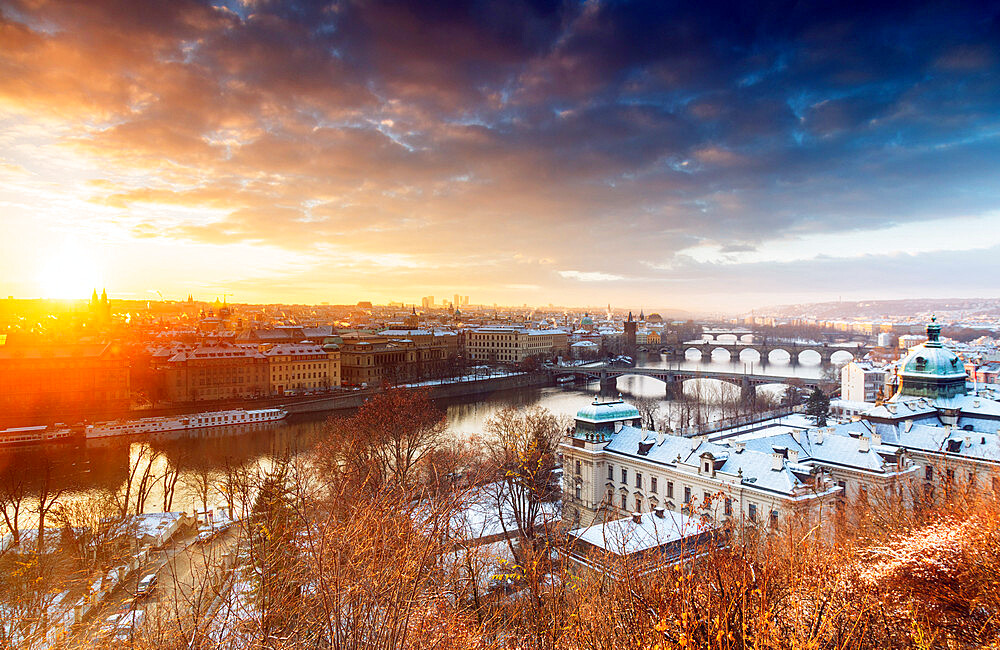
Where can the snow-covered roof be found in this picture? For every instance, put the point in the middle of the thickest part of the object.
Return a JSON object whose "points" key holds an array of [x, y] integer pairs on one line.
{"points": [[750, 467], [627, 536]]}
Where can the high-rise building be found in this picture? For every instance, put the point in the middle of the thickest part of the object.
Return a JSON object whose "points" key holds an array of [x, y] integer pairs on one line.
{"points": [[428, 302], [457, 302]]}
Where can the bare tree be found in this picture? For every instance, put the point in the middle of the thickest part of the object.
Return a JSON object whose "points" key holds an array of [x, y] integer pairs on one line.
{"points": [[385, 443], [171, 474], [521, 446], [13, 493], [200, 480], [649, 409], [48, 496]]}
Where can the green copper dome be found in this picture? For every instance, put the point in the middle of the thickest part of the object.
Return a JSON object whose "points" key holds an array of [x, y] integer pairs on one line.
{"points": [[611, 411], [932, 370]]}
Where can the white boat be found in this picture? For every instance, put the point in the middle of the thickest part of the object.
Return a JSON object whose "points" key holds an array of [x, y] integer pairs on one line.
{"points": [[183, 422], [565, 379], [34, 435]]}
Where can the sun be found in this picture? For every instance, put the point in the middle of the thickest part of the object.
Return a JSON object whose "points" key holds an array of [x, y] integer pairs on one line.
{"points": [[69, 272]]}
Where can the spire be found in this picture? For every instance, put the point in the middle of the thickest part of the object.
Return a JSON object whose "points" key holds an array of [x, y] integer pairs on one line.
{"points": [[104, 296], [630, 316], [934, 333]]}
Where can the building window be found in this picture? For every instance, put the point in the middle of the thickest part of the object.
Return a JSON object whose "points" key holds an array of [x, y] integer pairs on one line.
{"points": [[729, 507], [950, 474], [707, 499], [752, 512], [652, 484], [638, 480], [670, 489], [624, 502], [638, 504], [687, 495], [577, 491], [774, 519], [928, 473], [624, 476], [611, 472], [577, 468]]}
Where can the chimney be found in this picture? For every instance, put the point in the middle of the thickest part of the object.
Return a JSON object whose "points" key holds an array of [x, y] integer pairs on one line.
{"points": [[695, 442], [793, 455], [777, 461], [659, 438], [660, 512], [819, 436], [968, 441], [863, 444], [876, 439], [797, 435], [637, 517]]}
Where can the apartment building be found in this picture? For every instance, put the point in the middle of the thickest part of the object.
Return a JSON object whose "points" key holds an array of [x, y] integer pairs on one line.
{"points": [[860, 381], [303, 366], [212, 372], [514, 344]]}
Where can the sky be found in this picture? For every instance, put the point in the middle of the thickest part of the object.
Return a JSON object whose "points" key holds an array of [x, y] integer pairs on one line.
{"points": [[697, 155]]}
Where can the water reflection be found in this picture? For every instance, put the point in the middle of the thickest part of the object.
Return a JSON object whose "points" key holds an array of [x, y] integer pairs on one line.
{"points": [[103, 464]]}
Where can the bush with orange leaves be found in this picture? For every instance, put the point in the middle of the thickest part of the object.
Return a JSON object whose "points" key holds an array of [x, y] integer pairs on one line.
{"points": [[932, 583]]}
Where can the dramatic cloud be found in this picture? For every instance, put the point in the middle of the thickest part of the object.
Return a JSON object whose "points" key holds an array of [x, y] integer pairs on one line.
{"points": [[569, 152]]}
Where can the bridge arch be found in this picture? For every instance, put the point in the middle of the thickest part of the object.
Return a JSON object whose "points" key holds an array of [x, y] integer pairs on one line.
{"points": [[750, 355], [746, 338], [689, 349], [842, 356], [716, 352], [809, 359], [778, 354]]}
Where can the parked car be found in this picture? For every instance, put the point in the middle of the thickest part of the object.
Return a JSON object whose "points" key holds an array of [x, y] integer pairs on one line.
{"points": [[146, 585]]}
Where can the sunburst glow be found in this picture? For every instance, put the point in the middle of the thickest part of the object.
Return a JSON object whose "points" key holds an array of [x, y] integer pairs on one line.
{"points": [[69, 272]]}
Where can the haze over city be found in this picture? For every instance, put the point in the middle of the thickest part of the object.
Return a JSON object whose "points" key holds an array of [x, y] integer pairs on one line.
{"points": [[699, 156]]}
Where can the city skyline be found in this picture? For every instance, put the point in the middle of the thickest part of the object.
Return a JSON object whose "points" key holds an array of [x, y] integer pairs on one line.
{"points": [[709, 158]]}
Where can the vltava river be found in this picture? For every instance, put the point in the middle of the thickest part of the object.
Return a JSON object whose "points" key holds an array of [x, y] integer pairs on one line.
{"points": [[104, 464]]}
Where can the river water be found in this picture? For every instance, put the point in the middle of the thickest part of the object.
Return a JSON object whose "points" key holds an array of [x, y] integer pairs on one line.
{"points": [[104, 464]]}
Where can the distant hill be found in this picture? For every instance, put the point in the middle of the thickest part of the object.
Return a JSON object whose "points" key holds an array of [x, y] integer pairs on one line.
{"points": [[944, 308]]}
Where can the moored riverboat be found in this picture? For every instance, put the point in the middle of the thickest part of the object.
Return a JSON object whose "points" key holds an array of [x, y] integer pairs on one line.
{"points": [[184, 422]]}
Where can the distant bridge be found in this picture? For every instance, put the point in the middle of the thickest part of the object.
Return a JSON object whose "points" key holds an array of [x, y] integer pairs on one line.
{"points": [[674, 378], [763, 350]]}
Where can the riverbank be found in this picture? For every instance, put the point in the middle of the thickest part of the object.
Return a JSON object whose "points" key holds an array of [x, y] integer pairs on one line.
{"points": [[443, 390]]}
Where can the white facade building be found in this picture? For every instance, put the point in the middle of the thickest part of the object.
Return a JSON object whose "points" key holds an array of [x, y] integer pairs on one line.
{"points": [[612, 468], [860, 381]]}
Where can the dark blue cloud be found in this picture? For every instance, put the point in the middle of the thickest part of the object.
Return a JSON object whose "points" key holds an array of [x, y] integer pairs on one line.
{"points": [[670, 123]]}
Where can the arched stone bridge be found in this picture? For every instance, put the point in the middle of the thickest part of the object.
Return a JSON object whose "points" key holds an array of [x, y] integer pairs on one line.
{"points": [[674, 378], [794, 350]]}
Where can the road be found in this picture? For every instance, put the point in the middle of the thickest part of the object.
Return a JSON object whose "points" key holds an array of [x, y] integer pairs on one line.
{"points": [[189, 574]]}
